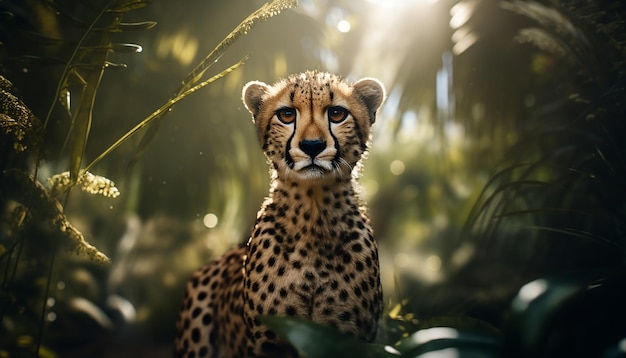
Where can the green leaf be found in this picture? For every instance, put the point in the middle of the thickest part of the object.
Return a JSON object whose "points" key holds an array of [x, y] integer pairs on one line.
{"points": [[129, 6], [41, 60], [118, 47], [441, 339], [540, 301], [81, 120], [115, 66], [79, 134], [72, 61], [577, 233], [131, 26], [314, 340]]}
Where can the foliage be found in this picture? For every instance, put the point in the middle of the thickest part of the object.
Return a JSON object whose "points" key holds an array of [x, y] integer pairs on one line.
{"points": [[540, 324], [192, 81], [554, 206], [558, 187], [19, 126], [542, 96], [317, 341], [547, 231], [35, 212]]}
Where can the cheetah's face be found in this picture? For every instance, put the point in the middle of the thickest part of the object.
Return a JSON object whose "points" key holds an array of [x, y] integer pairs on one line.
{"points": [[314, 125]]}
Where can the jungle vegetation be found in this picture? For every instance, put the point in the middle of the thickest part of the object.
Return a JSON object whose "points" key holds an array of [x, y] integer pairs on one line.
{"points": [[495, 180]]}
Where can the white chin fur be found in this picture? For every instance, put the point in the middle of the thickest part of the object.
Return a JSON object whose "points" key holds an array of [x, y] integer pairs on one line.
{"points": [[320, 165], [312, 169]]}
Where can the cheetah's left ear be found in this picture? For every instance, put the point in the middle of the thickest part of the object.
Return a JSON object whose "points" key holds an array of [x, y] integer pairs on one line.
{"points": [[252, 94], [372, 92]]}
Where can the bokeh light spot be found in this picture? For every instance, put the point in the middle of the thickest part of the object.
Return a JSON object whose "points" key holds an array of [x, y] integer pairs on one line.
{"points": [[51, 316], [210, 220], [397, 167], [343, 26], [402, 260], [433, 263], [529, 292]]}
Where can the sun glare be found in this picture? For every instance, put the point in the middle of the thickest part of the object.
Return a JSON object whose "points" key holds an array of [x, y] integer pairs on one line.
{"points": [[343, 26]]}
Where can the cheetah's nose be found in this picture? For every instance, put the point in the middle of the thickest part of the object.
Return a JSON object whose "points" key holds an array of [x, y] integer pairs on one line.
{"points": [[312, 147]]}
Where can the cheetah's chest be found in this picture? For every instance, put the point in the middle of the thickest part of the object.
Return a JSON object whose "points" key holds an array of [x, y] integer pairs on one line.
{"points": [[326, 271]]}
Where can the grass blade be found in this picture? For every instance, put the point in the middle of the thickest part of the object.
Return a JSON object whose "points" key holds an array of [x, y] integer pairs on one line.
{"points": [[164, 108], [82, 117], [577, 233], [265, 12]]}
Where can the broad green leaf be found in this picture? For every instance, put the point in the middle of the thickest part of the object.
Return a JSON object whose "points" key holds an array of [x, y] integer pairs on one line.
{"points": [[445, 338], [539, 302], [314, 340]]}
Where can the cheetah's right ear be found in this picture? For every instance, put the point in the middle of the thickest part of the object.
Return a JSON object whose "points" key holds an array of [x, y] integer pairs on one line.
{"points": [[252, 95]]}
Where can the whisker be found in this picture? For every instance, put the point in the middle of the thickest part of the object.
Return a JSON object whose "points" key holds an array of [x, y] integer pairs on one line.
{"points": [[342, 162]]}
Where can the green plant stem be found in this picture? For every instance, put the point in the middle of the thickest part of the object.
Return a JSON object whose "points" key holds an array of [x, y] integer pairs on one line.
{"points": [[83, 116], [79, 143], [13, 269], [266, 11], [70, 61], [42, 320], [161, 111]]}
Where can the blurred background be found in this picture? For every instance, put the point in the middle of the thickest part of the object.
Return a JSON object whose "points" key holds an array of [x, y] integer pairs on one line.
{"points": [[496, 159]]}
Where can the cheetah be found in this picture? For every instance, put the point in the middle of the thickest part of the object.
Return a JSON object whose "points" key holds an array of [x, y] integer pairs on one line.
{"points": [[311, 252]]}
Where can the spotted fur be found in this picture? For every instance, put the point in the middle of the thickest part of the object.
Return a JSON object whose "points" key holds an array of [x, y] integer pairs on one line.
{"points": [[311, 252]]}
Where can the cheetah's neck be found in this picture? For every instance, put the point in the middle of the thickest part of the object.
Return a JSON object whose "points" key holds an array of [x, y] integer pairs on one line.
{"points": [[325, 198], [321, 213]]}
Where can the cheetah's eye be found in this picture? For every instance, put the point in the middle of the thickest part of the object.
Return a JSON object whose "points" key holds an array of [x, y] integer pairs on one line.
{"points": [[286, 115], [337, 114]]}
